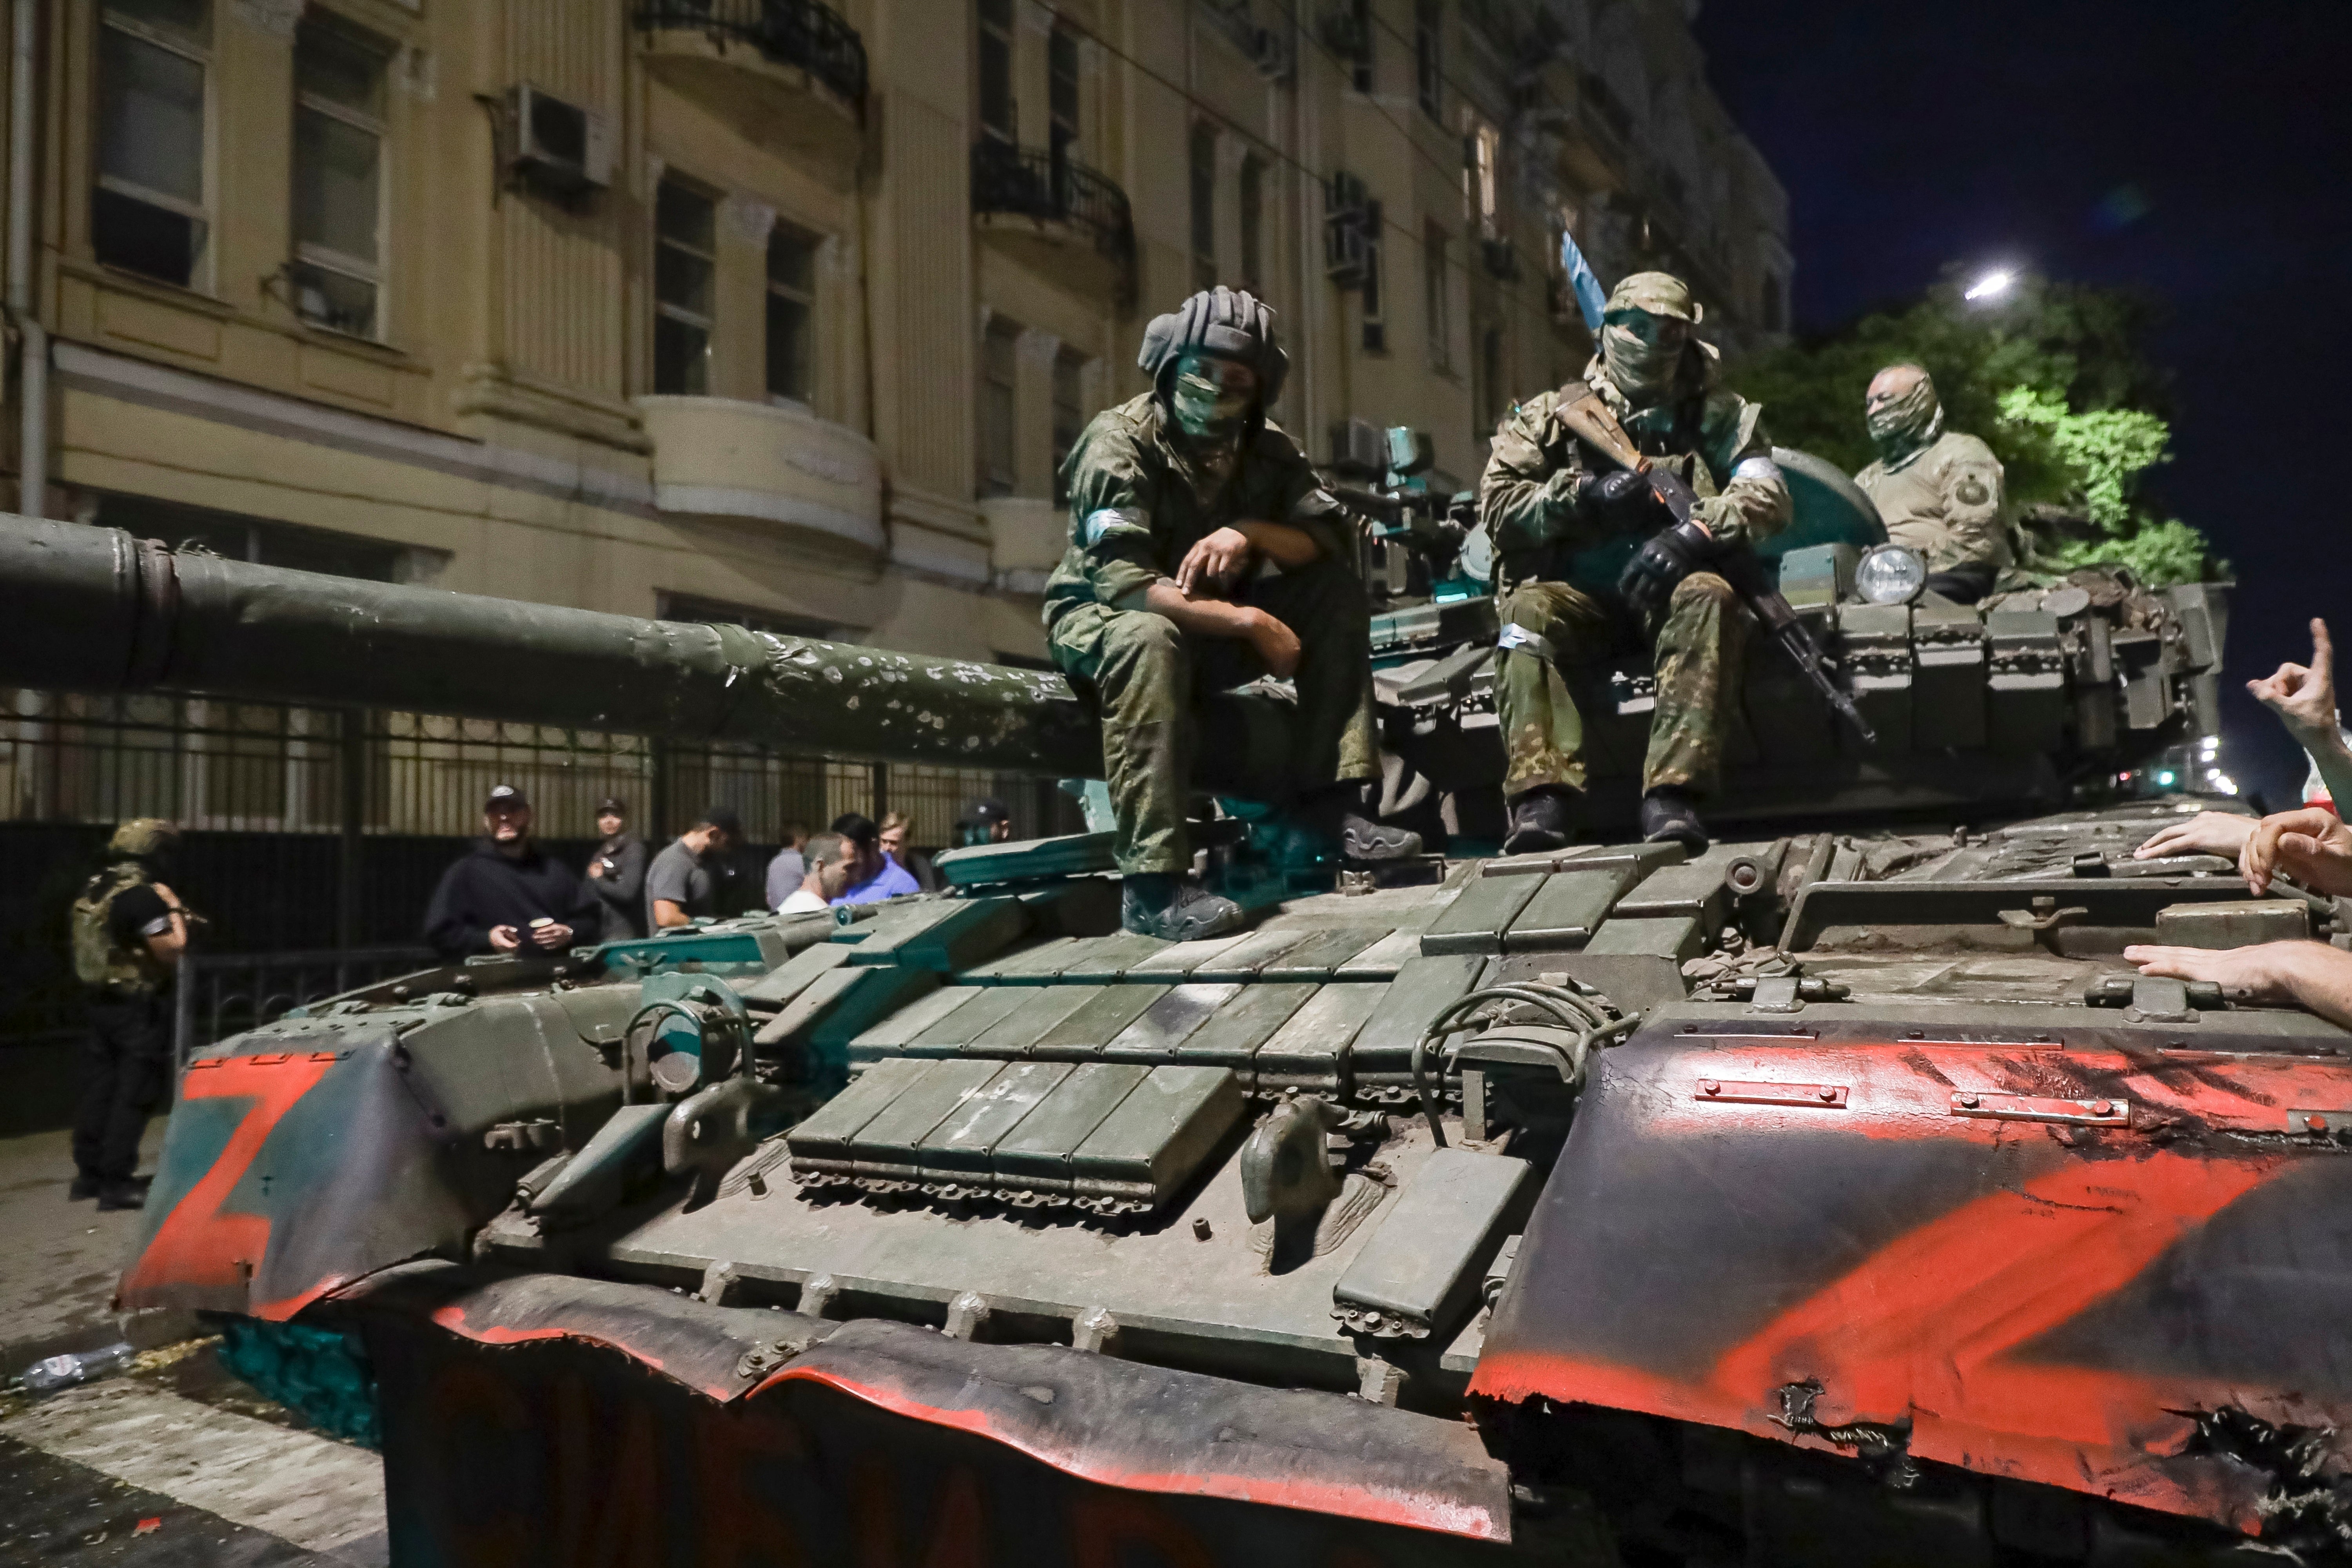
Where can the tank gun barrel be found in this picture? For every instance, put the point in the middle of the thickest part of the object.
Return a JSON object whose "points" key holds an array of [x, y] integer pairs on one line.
{"points": [[94, 609]]}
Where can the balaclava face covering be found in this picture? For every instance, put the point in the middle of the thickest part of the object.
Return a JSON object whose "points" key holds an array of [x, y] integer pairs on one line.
{"points": [[1644, 371], [1901, 425], [1212, 397]]}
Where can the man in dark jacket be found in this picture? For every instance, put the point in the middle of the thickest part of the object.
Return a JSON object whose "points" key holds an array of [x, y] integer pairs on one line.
{"points": [[507, 895], [617, 872]]}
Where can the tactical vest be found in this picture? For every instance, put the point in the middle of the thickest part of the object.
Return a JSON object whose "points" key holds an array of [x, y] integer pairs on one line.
{"points": [[98, 962]]}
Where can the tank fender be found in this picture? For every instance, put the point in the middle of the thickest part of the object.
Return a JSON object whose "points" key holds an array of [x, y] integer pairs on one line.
{"points": [[286, 1174], [2063, 1262]]}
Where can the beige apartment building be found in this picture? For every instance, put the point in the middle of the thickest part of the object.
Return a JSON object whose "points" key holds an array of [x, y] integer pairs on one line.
{"points": [[765, 308]]}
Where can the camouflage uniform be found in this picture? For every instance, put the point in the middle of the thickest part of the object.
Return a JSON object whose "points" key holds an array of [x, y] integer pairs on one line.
{"points": [[125, 1068], [1137, 506], [1557, 569], [1944, 500]]}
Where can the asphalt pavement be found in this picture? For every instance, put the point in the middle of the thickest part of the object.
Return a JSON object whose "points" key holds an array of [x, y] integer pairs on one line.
{"points": [[172, 1463]]}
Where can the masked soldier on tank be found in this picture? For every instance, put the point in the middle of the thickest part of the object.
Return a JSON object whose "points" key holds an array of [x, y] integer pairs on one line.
{"points": [[127, 934], [1203, 554], [1938, 491], [1590, 562]]}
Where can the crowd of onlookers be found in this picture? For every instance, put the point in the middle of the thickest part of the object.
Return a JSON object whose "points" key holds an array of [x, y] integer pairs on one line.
{"points": [[508, 894]]}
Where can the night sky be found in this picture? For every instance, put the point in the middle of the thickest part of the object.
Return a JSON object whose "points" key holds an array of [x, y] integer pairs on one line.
{"points": [[2203, 151]]}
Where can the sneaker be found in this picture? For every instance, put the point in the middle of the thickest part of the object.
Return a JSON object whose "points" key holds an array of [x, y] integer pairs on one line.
{"points": [[113, 1196], [1669, 813], [1333, 820], [1542, 818], [84, 1187], [1155, 904]]}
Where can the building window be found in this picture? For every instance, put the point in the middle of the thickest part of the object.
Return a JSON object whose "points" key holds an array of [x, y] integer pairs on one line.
{"points": [[1360, 18], [685, 256], [1428, 63], [1490, 377], [263, 544], [1062, 78], [1376, 332], [1205, 206], [1069, 415], [338, 179], [791, 311], [1253, 223], [147, 213], [1484, 149], [1436, 291], [998, 360], [999, 114]]}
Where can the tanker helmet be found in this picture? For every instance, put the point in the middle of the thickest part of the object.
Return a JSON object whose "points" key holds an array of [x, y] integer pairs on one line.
{"points": [[1224, 323]]}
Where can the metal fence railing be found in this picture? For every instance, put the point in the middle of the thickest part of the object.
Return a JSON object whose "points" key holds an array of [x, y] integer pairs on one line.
{"points": [[801, 32], [1049, 185], [215, 996]]}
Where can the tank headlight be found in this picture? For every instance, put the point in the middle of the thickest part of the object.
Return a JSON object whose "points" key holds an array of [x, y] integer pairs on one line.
{"points": [[1890, 575]]}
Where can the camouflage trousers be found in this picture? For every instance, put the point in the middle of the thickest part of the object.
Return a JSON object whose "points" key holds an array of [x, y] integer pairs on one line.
{"points": [[1699, 644], [1147, 680]]}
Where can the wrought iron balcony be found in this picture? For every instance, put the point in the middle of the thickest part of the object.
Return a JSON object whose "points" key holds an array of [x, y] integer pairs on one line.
{"points": [[1052, 187], [797, 33]]}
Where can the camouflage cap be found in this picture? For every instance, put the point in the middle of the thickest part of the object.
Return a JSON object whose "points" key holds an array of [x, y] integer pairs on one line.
{"points": [[1659, 293], [1228, 323], [143, 838]]}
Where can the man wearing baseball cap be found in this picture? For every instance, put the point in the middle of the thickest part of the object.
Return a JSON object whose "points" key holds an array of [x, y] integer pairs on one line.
{"points": [[1204, 553], [507, 896], [616, 872], [1589, 561]]}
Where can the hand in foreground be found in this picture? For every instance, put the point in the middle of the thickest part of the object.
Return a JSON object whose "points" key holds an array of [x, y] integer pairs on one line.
{"points": [[2311, 844], [505, 939], [2266, 972], [2207, 833], [1277, 644], [552, 936], [596, 868], [2304, 697], [1216, 560]]}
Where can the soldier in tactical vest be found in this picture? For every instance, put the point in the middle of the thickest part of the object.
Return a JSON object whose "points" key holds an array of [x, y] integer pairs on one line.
{"points": [[127, 934], [1204, 553], [1590, 562], [1940, 492]]}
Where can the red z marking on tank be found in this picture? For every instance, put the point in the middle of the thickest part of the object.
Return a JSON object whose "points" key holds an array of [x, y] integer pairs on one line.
{"points": [[198, 1244]]}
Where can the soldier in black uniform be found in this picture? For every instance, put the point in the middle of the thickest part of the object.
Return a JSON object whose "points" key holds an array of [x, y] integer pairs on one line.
{"points": [[129, 930]]}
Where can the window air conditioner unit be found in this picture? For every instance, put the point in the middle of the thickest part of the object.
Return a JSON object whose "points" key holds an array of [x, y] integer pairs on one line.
{"points": [[558, 146]]}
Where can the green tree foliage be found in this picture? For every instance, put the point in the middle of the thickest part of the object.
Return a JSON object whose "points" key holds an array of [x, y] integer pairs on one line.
{"points": [[2052, 377]]}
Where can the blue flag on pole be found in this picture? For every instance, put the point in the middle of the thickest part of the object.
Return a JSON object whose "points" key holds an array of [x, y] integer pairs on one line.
{"points": [[1589, 296]]}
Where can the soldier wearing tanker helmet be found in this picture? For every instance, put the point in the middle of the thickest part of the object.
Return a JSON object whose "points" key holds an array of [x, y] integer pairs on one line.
{"points": [[1204, 553], [129, 930], [1590, 560], [1940, 492]]}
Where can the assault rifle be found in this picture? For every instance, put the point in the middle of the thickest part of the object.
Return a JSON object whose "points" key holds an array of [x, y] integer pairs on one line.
{"points": [[1583, 412]]}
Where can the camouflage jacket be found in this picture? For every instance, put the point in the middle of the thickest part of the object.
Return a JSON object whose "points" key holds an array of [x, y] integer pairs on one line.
{"points": [[99, 962], [1945, 500], [1712, 436], [1134, 510]]}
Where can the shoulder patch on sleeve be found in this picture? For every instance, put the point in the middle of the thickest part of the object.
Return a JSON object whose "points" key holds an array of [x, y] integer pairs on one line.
{"points": [[1111, 522]]}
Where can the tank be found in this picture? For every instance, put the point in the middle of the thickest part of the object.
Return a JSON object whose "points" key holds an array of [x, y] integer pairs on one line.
{"points": [[1835, 1195]]}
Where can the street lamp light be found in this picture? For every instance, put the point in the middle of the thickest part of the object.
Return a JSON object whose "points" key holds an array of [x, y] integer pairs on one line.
{"points": [[1991, 285]]}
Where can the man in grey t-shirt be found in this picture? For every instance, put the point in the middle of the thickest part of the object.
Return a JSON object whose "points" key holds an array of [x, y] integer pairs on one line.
{"points": [[787, 869], [678, 883]]}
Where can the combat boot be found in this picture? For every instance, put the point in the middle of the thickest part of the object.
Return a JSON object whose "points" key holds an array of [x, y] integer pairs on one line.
{"points": [[1670, 815], [1156, 903], [1542, 818]]}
